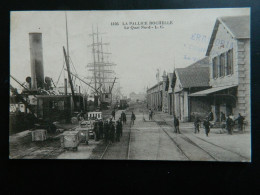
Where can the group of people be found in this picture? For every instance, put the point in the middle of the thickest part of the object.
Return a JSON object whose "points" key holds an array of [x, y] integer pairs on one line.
{"points": [[227, 123], [108, 130]]}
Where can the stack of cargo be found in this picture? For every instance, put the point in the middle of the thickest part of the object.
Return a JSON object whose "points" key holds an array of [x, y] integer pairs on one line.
{"points": [[83, 129], [70, 140]]}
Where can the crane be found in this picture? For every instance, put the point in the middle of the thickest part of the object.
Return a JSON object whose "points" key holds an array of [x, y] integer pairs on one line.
{"points": [[112, 85], [69, 76]]}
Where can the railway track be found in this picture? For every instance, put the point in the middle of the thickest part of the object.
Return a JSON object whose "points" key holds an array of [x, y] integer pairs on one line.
{"points": [[187, 140], [127, 156], [190, 141]]}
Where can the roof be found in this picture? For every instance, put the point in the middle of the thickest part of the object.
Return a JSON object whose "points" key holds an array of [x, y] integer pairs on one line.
{"points": [[211, 90], [193, 77], [238, 26], [204, 62], [155, 85]]}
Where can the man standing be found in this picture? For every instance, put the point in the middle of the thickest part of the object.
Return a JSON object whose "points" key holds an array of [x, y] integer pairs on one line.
{"points": [[210, 116], [96, 130], [120, 127], [117, 131], [101, 127], [123, 117], [229, 124], [133, 118], [176, 125], [112, 132], [240, 121], [222, 117], [206, 124], [197, 124], [150, 114], [106, 131], [113, 114]]}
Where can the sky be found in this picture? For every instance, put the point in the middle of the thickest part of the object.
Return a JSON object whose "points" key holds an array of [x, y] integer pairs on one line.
{"points": [[137, 53]]}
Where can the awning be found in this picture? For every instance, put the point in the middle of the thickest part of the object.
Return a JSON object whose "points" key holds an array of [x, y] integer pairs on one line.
{"points": [[211, 90]]}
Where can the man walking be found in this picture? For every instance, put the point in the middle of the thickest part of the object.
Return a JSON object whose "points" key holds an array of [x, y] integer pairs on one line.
{"points": [[133, 118], [197, 124], [206, 124], [176, 125]]}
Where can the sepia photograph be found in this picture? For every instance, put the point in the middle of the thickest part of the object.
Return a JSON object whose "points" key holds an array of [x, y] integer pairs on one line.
{"points": [[166, 85]]}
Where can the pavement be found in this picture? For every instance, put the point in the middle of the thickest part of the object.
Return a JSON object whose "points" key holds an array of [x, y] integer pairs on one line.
{"points": [[223, 146]]}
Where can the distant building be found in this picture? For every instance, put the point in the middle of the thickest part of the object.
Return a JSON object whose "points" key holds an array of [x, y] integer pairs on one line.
{"points": [[155, 96], [140, 96], [170, 93], [229, 56]]}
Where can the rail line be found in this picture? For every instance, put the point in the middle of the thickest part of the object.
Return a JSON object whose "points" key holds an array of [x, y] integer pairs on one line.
{"points": [[128, 146], [129, 141], [178, 146], [223, 148]]}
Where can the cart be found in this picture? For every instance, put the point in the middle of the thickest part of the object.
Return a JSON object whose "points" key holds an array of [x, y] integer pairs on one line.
{"points": [[83, 129]]}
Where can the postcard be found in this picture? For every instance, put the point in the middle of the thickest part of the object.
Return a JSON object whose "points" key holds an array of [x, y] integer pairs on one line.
{"points": [[162, 85]]}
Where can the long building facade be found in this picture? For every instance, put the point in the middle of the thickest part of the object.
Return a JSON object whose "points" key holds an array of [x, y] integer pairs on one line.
{"points": [[157, 96]]}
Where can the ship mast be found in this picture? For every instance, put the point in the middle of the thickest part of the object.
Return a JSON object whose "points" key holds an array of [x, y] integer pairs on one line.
{"points": [[102, 73]]}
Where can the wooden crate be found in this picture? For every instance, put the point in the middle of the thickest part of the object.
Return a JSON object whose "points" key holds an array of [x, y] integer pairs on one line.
{"points": [[70, 139], [39, 135]]}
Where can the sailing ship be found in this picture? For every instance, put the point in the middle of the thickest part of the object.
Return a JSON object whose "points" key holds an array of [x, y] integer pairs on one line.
{"points": [[102, 78]]}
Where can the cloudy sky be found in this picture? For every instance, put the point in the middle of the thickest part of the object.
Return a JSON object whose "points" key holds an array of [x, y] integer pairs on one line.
{"points": [[138, 53]]}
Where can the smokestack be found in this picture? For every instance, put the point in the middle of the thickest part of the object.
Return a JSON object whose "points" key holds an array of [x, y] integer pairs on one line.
{"points": [[37, 73]]}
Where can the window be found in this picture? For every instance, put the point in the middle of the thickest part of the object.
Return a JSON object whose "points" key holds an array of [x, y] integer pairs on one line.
{"points": [[215, 67], [106, 96], [229, 62], [222, 65]]}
